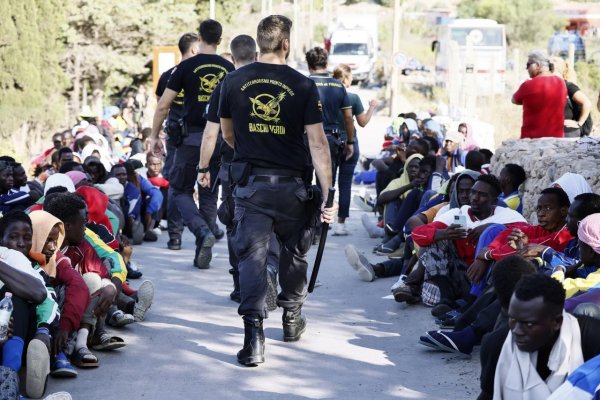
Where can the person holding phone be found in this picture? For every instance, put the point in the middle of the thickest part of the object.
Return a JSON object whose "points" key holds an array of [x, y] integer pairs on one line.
{"points": [[449, 243]]}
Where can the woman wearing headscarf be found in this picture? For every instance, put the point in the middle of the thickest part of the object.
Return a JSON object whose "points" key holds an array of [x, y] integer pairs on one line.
{"points": [[72, 293], [573, 184]]}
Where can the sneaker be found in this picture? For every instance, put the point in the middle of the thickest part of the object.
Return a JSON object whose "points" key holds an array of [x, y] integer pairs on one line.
{"points": [[145, 295], [219, 234], [271, 299], [399, 282], [440, 310], [359, 263], [384, 250], [132, 271], [119, 319], [397, 254], [38, 368], [62, 368], [373, 231], [404, 293], [204, 251], [340, 230], [174, 244]]}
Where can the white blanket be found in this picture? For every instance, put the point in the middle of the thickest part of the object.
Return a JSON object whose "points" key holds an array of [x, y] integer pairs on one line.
{"points": [[516, 375]]}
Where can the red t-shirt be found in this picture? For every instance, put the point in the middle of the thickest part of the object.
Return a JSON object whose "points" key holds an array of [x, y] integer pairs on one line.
{"points": [[543, 99]]}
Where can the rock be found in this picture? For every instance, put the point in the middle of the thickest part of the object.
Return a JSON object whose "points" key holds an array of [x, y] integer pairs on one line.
{"points": [[545, 160]]}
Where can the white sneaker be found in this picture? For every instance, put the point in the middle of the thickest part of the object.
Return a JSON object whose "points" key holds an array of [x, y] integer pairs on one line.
{"points": [[340, 230], [399, 282], [359, 263]]}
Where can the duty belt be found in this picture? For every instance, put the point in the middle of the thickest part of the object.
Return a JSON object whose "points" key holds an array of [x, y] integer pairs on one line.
{"points": [[333, 132], [279, 172]]}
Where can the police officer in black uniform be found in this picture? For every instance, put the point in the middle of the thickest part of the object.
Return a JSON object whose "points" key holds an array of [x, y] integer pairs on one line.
{"points": [[265, 108], [188, 46], [243, 52], [198, 77], [333, 98]]}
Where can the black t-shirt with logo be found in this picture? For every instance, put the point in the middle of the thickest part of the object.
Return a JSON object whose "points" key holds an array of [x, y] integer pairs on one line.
{"points": [[333, 97], [176, 110], [198, 76], [212, 115], [270, 104]]}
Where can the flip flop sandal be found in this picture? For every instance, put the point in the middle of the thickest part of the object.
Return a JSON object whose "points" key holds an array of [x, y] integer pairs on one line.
{"points": [[449, 346], [105, 342], [84, 358], [426, 341]]}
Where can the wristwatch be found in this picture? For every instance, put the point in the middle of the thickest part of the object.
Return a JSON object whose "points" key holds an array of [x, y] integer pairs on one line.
{"points": [[201, 170]]}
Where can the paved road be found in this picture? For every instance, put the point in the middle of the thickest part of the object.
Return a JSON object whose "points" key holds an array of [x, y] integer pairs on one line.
{"points": [[358, 344]]}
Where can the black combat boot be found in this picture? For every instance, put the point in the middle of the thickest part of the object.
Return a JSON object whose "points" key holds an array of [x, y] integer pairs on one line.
{"points": [[253, 352], [294, 324], [235, 294]]}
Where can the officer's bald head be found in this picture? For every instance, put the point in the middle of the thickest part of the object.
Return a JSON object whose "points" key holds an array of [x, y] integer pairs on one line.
{"points": [[271, 33], [243, 49]]}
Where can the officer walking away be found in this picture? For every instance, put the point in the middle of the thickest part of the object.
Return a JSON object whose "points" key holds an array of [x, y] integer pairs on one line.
{"points": [[265, 108], [188, 46], [333, 98], [198, 76], [243, 52]]}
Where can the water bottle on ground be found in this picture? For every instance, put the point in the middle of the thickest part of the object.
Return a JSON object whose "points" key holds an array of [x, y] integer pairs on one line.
{"points": [[6, 309]]}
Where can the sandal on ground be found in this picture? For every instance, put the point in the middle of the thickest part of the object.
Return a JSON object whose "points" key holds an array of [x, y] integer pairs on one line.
{"points": [[62, 368], [84, 358], [105, 342]]}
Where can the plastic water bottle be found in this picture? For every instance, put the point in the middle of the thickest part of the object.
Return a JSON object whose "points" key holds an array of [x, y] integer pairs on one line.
{"points": [[6, 309]]}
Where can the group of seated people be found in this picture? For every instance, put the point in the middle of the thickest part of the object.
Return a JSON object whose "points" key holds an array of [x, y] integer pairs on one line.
{"points": [[66, 256], [527, 292]]}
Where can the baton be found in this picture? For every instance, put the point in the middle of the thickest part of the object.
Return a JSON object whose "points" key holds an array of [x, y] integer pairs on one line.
{"points": [[322, 239]]}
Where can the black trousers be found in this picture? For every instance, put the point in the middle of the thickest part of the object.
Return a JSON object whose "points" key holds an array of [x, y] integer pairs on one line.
{"points": [[174, 220], [201, 219], [261, 209]]}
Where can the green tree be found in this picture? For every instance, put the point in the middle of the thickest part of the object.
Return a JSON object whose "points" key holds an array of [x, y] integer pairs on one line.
{"points": [[31, 79], [527, 22]]}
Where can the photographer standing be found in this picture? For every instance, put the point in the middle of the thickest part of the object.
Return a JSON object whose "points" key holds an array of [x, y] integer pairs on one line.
{"points": [[198, 77]]}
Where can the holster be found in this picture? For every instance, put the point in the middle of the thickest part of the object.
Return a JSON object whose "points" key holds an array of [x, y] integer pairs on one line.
{"points": [[177, 130], [313, 205], [239, 172]]}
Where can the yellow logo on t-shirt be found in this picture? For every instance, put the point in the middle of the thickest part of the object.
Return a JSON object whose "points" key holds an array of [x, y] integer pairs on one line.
{"points": [[267, 107], [208, 82]]}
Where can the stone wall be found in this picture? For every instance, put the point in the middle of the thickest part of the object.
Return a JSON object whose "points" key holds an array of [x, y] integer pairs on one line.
{"points": [[546, 160]]}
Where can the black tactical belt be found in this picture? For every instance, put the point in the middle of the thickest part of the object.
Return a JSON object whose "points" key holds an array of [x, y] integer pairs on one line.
{"points": [[275, 179], [280, 172]]}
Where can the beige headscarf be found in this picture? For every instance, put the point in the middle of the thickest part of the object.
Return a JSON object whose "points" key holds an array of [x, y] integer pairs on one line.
{"points": [[42, 223]]}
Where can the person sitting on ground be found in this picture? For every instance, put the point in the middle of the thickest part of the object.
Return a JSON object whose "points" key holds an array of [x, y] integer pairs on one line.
{"points": [[511, 178], [153, 174], [103, 288], [543, 98], [451, 239], [21, 184], [395, 220], [144, 199], [474, 161], [65, 154], [31, 319], [552, 249], [484, 316], [573, 184], [140, 143], [11, 199], [545, 343], [582, 286], [102, 180], [453, 155], [73, 296]]}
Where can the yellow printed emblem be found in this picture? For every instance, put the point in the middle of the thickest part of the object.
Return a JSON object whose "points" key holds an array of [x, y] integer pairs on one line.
{"points": [[208, 82], [266, 107]]}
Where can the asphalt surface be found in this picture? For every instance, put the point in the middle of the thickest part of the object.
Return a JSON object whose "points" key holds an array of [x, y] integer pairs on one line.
{"points": [[358, 344]]}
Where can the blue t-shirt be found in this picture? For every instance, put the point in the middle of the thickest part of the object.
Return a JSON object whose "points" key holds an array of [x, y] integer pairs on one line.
{"points": [[333, 99]]}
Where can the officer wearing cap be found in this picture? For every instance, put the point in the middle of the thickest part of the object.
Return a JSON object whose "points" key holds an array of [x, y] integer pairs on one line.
{"points": [[197, 76], [265, 108]]}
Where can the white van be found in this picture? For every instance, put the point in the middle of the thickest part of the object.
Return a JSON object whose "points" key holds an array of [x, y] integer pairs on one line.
{"points": [[355, 48]]}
